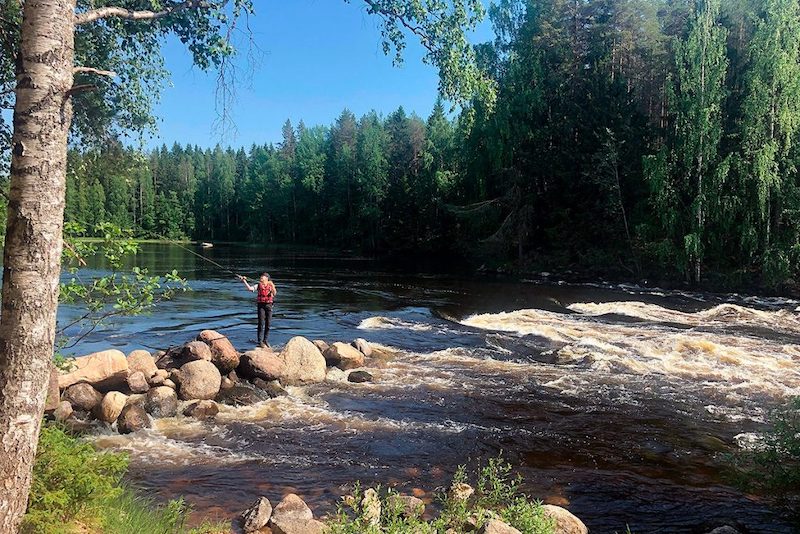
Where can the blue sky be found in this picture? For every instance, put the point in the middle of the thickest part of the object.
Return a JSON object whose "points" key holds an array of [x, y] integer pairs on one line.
{"points": [[319, 56]]}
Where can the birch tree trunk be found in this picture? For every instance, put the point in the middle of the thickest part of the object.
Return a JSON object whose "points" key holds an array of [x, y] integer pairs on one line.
{"points": [[32, 253]]}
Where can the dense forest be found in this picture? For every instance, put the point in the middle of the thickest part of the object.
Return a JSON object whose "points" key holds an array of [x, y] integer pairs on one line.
{"points": [[627, 136]]}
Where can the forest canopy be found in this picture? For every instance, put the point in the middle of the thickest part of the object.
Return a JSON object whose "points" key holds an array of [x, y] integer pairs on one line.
{"points": [[632, 136]]}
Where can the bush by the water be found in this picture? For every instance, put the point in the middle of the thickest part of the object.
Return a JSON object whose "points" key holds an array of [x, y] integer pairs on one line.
{"points": [[78, 489], [772, 464], [497, 496]]}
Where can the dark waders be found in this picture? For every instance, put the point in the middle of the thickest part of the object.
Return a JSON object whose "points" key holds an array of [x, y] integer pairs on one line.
{"points": [[264, 319]]}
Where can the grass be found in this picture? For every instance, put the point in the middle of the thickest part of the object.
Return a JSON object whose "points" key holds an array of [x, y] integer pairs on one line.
{"points": [[77, 489], [497, 495]]}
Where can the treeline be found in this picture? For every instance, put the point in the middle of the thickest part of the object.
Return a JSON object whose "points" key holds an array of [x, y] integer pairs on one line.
{"points": [[644, 136]]}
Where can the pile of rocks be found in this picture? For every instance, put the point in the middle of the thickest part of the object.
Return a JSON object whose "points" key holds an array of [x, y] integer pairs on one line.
{"points": [[291, 516], [128, 391]]}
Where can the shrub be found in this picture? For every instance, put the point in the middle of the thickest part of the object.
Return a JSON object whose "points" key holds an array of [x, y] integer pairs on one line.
{"points": [[497, 495]]}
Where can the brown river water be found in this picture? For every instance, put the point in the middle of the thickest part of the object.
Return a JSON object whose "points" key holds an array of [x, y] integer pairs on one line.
{"points": [[616, 401]]}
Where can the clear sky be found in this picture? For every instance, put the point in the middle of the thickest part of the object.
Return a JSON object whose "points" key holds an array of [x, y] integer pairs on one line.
{"points": [[318, 57]]}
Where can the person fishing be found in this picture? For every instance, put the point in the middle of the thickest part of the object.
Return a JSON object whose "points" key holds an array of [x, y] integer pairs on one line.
{"points": [[265, 296]]}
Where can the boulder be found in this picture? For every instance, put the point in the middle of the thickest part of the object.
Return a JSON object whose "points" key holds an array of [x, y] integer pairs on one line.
{"points": [[136, 398], [224, 354], [82, 396], [409, 505], [132, 419], [257, 516], [63, 411], [226, 383], [111, 406], [371, 507], [335, 374], [495, 526], [359, 377], [460, 492], [137, 383], [291, 507], [272, 388], [242, 395], [196, 350], [141, 360], [261, 363], [304, 362], [363, 346], [156, 380], [321, 345], [297, 526], [724, 529], [344, 356], [163, 373], [104, 370], [199, 380], [170, 384], [53, 393], [206, 409], [565, 522], [161, 401]]}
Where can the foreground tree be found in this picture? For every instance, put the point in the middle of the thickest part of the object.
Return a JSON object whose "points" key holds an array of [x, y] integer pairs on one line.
{"points": [[45, 37]]}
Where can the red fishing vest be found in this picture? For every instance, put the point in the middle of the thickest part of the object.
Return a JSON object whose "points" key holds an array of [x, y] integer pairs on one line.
{"points": [[265, 294]]}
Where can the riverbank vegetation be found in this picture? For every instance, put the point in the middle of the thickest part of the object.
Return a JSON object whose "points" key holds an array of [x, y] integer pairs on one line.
{"points": [[633, 137], [77, 489]]}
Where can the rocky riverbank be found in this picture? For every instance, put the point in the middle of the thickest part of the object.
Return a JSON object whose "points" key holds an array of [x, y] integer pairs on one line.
{"points": [[127, 392]]}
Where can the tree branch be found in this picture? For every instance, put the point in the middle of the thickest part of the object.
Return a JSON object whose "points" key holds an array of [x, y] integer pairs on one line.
{"points": [[92, 70], [129, 14], [82, 88]]}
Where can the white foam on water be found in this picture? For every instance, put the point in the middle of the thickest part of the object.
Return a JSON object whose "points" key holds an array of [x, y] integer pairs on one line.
{"points": [[723, 314], [393, 323], [733, 365]]}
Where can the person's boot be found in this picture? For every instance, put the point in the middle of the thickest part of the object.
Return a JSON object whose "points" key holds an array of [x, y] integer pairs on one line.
{"points": [[262, 345]]}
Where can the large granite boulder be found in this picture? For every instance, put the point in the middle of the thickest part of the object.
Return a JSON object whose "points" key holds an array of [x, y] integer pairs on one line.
{"points": [[104, 370], [141, 360], [137, 382], [257, 516], [204, 409], [363, 346], [161, 401], [495, 526], [292, 507], [198, 380], [82, 396], [111, 406], [344, 356], [261, 363], [132, 419], [304, 363], [225, 356], [565, 522], [297, 526]]}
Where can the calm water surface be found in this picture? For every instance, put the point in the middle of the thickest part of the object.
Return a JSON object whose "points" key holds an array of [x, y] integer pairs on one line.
{"points": [[615, 401]]}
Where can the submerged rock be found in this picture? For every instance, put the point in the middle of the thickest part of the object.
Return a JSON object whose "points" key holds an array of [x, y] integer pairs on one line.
{"points": [[104, 370], [304, 363], [141, 360], [363, 346], [199, 380], [272, 388], [161, 402], [82, 396], [263, 364], [111, 406], [132, 419], [344, 356], [224, 355], [204, 409], [359, 377], [242, 395], [565, 522], [257, 516]]}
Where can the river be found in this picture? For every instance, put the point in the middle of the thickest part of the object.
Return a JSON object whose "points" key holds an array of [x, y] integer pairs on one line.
{"points": [[613, 400]]}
